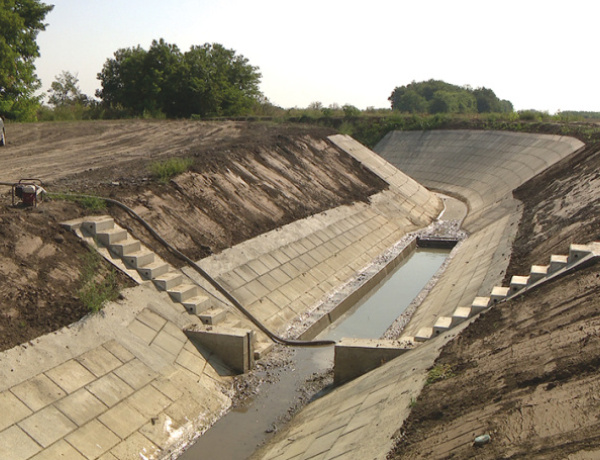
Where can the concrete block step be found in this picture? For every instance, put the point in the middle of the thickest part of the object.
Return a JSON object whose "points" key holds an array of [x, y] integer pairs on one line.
{"points": [[183, 292], [154, 269], [442, 324], [480, 304], [461, 314], [139, 259], [110, 236], [126, 246], [261, 348], [168, 281], [424, 334], [537, 273], [557, 262], [499, 293], [97, 224], [578, 251], [214, 315], [518, 282], [197, 304]]}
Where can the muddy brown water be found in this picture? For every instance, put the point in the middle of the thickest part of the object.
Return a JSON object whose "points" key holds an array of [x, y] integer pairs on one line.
{"points": [[237, 435]]}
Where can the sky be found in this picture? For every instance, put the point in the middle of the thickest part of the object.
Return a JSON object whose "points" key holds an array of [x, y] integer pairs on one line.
{"points": [[537, 54]]}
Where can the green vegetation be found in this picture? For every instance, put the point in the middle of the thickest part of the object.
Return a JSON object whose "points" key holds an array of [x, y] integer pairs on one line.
{"points": [[436, 96], [90, 203], [96, 289], [439, 372], [20, 23], [164, 171], [206, 81]]}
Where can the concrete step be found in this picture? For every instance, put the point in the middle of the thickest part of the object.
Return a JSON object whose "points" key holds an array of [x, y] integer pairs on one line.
{"points": [[442, 324], [197, 304], [126, 246], [578, 251], [97, 224], [424, 334], [154, 269], [139, 259], [499, 293], [557, 262], [213, 315], [517, 283], [460, 315], [183, 292], [538, 272], [110, 236], [261, 348], [168, 280], [480, 304]]}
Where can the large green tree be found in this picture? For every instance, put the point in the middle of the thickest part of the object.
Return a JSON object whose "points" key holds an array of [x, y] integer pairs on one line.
{"points": [[20, 23], [207, 80]]}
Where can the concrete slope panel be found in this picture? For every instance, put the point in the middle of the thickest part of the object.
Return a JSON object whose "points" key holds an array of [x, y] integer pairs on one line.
{"points": [[483, 167]]}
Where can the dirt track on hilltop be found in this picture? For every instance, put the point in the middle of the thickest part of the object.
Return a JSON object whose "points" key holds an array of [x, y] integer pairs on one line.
{"points": [[246, 179], [526, 372]]}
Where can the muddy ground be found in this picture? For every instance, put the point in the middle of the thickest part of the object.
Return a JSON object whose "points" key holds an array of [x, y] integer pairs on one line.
{"points": [[526, 372], [246, 179]]}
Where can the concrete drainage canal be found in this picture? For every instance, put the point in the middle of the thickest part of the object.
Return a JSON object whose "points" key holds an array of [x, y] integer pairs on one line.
{"points": [[306, 373]]}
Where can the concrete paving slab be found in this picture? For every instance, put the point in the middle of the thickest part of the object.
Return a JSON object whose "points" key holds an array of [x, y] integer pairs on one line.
{"points": [[193, 362], [70, 376], [169, 343], [47, 426], [38, 392], [59, 450], [15, 444], [151, 319], [93, 439], [119, 351], [149, 401], [136, 447], [136, 374], [110, 389], [81, 406], [12, 410], [141, 330], [123, 419], [167, 388], [99, 361]]}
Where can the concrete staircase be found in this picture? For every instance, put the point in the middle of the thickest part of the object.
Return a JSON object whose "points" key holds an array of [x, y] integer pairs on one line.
{"points": [[579, 255], [143, 265]]}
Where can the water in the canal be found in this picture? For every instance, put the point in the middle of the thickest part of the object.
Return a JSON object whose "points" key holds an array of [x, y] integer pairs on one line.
{"points": [[237, 434]]}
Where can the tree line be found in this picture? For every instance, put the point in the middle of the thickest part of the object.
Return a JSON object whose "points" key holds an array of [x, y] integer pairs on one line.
{"points": [[436, 96]]}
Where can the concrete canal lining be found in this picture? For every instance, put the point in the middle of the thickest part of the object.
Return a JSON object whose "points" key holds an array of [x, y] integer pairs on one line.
{"points": [[358, 419], [139, 385]]}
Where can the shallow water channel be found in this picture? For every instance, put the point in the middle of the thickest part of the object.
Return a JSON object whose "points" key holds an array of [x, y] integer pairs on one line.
{"points": [[242, 430]]}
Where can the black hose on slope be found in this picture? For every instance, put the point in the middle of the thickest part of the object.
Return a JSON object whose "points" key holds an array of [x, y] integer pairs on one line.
{"points": [[214, 283]]}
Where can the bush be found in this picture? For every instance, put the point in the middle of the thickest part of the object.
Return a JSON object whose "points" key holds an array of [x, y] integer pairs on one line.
{"points": [[96, 289], [163, 171]]}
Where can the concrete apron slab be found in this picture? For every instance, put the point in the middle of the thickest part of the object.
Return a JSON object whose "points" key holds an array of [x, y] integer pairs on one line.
{"points": [[120, 383]]}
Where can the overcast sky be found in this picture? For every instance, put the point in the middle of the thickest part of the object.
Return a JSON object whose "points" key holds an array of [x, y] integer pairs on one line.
{"points": [[537, 54]]}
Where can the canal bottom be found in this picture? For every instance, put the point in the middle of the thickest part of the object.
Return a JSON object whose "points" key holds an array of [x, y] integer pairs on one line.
{"points": [[237, 435]]}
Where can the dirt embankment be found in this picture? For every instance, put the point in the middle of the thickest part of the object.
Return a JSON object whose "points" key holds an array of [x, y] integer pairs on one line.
{"points": [[246, 179], [526, 371]]}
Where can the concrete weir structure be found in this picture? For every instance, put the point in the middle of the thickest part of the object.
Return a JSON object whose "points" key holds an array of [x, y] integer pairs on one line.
{"points": [[358, 419], [130, 382]]}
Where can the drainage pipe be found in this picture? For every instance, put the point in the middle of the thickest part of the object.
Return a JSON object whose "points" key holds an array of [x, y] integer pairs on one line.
{"points": [[214, 283]]}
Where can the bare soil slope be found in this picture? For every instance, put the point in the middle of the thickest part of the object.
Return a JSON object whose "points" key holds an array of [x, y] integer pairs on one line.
{"points": [[246, 179], [526, 372]]}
